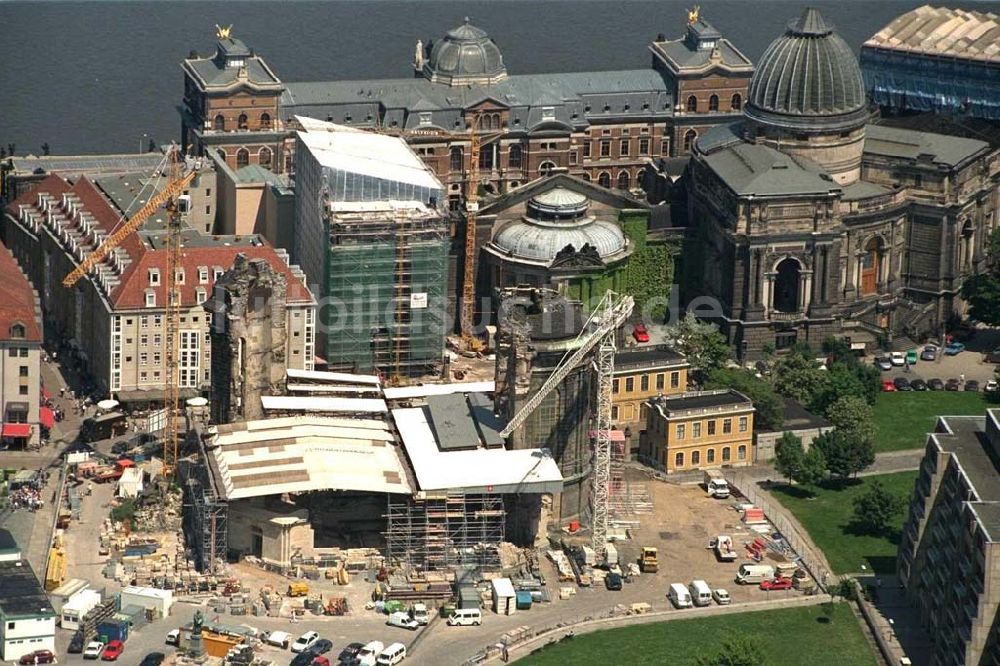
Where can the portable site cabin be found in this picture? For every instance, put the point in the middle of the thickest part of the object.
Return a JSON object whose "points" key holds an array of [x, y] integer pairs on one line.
{"points": [[504, 597], [77, 606], [150, 598], [62, 594]]}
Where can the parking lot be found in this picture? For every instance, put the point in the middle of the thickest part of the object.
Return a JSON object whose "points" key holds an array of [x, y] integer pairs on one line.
{"points": [[969, 364]]}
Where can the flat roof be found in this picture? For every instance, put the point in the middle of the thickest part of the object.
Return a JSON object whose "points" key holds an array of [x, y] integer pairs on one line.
{"points": [[425, 390], [649, 358], [687, 404], [342, 377], [307, 453], [452, 422], [327, 388], [308, 403], [7, 541], [474, 471], [21, 594]]}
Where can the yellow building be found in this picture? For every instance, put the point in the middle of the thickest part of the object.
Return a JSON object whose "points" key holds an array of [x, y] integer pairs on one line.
{"points": [[698, 430], [640, 374]]}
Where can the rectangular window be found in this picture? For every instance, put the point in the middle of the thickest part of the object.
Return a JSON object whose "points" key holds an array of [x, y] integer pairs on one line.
{"points": [[203, 275], [623, 148], [586, 148], [179, 276], [726, 454], [741, 452], [711, 429], [696, 429], [143, 340], [144, 321], [665, 147], [572, 157], [154, 277], [629, 384], [680, 431], [659, 381], [150, 299], [675, 379], [614, 412], [143, 358], [23, 390], [615, 385], [743, 423], [200, 295], [143, 376], [710, 454], [644, 383], [727, 426], [23, 370], [644, 146], [605, 149]]}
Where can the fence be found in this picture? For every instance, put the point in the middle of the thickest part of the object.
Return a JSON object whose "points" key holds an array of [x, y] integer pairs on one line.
{"points": [[813, 563]]}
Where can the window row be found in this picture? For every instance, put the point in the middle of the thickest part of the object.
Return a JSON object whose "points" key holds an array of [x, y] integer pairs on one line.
{"points": [[264, 157], [242, 122], [735, 103], [660, 379], [681, 429], [741, 456], [153, 275]]}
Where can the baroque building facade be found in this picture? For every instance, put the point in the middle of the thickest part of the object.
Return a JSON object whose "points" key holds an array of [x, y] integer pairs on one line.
{"points": [[806, 220], [600, 126]]}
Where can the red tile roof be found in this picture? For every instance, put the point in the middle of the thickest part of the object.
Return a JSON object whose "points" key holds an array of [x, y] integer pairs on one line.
{"points": [[17, 299]]}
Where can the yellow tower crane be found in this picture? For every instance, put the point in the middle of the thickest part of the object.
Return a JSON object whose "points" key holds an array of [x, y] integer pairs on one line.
{"points": [[168, 197]]}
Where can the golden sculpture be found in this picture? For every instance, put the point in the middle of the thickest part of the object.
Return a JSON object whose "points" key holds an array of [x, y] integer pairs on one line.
{"points": [[223, 33], [693, 14]]}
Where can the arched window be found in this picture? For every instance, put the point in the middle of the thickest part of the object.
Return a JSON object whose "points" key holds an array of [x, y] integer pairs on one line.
{"points": [[604, 179], [689, 138], [624, 180], [456, 159], [546, 167], [241, 122], [695, 458], [486, 158], [713, 103], [736, 103], [219, 124], [514, 157], [711, 456], [741, 452], [692, 104], [725, 454], [221, 153], [242, 158], [264, 157], [265, 121], [17, 331], [679, 459], [586, 177], [786, 286]]}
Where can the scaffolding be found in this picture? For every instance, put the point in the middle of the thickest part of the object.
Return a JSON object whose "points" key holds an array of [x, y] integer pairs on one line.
{"points": [[386, 278], [436, 533], [207, 517]]}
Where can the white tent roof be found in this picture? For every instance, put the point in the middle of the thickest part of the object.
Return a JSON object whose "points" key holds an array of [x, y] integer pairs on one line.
{"points": [[425, 390], [337, 377], [475, 470], [308, 403]]}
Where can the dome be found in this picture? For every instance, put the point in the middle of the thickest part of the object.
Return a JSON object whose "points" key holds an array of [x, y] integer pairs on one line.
{"points": [[466, 55], [557, 218], [808, 79]]}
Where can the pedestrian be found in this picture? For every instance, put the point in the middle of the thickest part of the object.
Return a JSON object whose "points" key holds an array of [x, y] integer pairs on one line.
{"points": [[505, 655], [62, 391], [961, 378]]}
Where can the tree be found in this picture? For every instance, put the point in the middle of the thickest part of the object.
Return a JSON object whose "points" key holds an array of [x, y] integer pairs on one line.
{"points": [[813, 467], [738, 649], [982, 291], [798, 377], [844, 455], [876, 509], [838, 350], [853, 416], [701, 342], [767, 403], [788, 456]]}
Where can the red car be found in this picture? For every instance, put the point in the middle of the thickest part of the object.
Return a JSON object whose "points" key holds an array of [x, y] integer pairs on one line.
{"points": [[640, 333], [776, 584], [114, 649], [888, 385], [37, 657]]}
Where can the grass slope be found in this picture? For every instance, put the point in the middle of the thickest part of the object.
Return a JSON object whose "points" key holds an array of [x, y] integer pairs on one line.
{"points": [[825, 629], [827, 512], [902, 420]]}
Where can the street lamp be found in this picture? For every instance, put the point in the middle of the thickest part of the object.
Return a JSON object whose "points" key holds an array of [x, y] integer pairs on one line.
{"points": [[142, 142]]}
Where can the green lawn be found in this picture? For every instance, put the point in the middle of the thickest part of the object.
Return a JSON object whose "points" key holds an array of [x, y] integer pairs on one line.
{"points": [[902, 420], [827, 515], [789, 637]]}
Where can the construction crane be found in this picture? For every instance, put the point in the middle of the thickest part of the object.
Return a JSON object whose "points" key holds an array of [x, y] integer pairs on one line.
{"points": [[476, 143], [598, 332], [168, 197]]}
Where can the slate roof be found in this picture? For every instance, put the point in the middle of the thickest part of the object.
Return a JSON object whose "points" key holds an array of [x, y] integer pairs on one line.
{"points": [[910, 144], [761, 170], [942, 31], [213, 73], [17, 300], [683, 55], [861, 189], [21, 595]]}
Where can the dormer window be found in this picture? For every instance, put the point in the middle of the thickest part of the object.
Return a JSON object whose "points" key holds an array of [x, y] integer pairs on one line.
{"points": [[18, 331], [425, 118], [179, 276], [218, 273], [154, 277], [203, 275], [548, 113], [150, 298], [200, 295]]}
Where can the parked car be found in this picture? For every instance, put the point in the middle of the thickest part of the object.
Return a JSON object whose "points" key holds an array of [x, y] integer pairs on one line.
{"points": [[897, 358], [401, 619], [112, 651], [912, 357], [883, 363], [640, 333], [993, 356], [93, 650], [305, 641], [929, 353], [37, 657], [971, 385], [153, 659], [778, 583], [991, 386], [721, 597], [918, 384], [76, 643], [173, 637], [613, 581], [322, 646], [888, 386], [304, 658], [763, 368], [902, 384], [954, 348], [952, 385], [350, 651], [935, 384]]}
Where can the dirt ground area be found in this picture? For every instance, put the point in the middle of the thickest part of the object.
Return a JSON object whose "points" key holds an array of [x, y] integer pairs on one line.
{"points": [[357, 592]]}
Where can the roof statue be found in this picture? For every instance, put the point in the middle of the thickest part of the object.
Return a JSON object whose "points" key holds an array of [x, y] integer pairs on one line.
{"points": [[223, 33], [694, 14], [418, 55]]}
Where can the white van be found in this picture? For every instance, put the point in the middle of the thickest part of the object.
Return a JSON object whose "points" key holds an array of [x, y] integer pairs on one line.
{"points": [[278, 639], [369, 653], [392, 655], [750, 574], [679, 596], [464, 617], [701, 593]]}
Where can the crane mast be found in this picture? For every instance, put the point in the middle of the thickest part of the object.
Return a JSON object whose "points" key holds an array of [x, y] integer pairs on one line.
{"points": [[171, 401]]}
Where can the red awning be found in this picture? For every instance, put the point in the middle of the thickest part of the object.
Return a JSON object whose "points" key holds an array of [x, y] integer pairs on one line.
{"points": [[17, 430], [46, 416], [45, 394], [613, 435]]}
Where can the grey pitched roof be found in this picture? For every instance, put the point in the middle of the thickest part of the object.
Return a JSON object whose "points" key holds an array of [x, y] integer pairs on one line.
{"points": [[212, 71], [862, 189], [683, 57], [940, 148], [761, 170]]}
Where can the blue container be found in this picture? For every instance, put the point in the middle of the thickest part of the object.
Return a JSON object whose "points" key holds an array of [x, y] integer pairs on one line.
{"points": [[524, 600], [114, 630]]}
